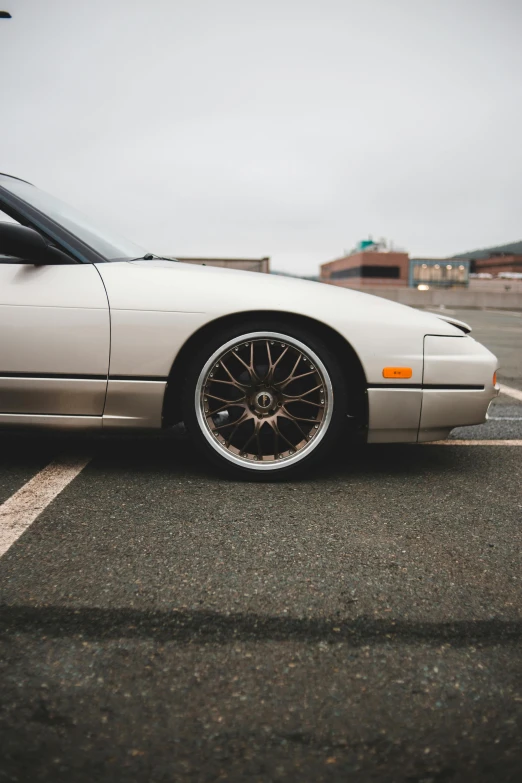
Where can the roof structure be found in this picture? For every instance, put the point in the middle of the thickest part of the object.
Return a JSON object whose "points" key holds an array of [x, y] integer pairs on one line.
{"points": [[512, 248]]}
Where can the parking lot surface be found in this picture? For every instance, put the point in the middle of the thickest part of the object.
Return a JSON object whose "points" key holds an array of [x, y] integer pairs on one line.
{"points": [[160, 624]]}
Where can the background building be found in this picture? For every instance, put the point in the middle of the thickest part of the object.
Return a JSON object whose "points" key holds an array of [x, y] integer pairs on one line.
{"points": [[369, 264], [494, 260], [374, 265], [250, 264], [488, 277], [438, 273]]}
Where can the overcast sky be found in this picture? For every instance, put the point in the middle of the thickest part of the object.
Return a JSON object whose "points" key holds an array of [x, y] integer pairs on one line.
{"points": [[288, 128]]}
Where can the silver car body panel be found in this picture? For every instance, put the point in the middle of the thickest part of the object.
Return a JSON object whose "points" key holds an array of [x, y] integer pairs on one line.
{"points": [[62, 323], [159, 293], [444, 409], [23, 420], [134, 403], [394, 415], [55, 329], [55, 396], [457, 361], [450, 363]]}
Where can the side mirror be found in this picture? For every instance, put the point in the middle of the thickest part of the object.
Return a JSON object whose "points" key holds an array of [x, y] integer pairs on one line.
{"points": [[26, 244]]}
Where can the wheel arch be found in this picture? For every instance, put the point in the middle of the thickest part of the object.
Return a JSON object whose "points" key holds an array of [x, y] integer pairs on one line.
{"points": [[351, 365]]}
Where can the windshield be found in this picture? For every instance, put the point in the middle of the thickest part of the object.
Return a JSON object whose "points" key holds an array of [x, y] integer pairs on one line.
{"points": [[102, 240]]}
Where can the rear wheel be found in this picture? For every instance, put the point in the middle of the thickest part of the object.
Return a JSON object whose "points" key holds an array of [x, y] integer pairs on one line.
{"points": [[264, 402]]}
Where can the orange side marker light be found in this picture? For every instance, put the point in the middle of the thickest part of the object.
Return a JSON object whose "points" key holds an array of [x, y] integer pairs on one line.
{"points": [[397, 372], [494, 378]]}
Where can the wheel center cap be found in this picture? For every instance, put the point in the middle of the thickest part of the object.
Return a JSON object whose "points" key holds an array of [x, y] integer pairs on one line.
{"points": [[264, 400]]}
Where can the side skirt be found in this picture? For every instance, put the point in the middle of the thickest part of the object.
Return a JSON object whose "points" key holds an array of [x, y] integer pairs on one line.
{"points": [[134, 403], [50, 421], [130, 403]]}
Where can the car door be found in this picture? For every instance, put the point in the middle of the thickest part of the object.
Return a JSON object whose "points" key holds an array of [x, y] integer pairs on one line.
{"points": [[54, 341]]}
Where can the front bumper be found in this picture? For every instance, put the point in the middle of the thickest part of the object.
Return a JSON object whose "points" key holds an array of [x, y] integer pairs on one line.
{"points": [[444, 409], [456, 391]]}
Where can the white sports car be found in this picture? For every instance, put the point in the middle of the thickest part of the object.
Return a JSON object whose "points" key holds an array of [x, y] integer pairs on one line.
{"points": [[266, 372]]}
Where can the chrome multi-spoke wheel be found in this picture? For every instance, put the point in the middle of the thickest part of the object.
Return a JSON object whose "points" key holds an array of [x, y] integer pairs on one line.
{"points": [[264, 400]]}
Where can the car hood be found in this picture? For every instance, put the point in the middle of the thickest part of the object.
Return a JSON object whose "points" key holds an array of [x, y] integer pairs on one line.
{"points": [[218, 290]]}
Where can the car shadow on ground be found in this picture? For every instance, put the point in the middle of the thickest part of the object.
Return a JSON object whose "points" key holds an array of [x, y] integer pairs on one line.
{"points": [[205, 626], [172, 452]]}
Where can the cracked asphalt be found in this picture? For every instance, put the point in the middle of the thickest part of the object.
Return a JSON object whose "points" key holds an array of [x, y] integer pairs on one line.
{"points": [[160, 624]]}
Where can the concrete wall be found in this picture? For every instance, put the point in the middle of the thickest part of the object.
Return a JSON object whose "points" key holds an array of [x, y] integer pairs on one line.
{"points": [[450, 298], [495, 286]]}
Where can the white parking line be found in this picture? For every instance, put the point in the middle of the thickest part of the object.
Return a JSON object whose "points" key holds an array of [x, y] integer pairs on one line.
{"points": [[515, 393], [473, 443], [20, 511]]}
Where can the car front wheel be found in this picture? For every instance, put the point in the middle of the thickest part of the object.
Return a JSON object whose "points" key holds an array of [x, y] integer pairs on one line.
{"points": [[264, 401]]}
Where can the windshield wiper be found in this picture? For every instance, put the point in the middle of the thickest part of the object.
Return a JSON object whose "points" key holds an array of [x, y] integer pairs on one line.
{"points": [[146, 257], [152, 257]]}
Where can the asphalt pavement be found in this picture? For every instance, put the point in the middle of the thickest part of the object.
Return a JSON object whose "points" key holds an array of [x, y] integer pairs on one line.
{"points": [[160, 624]]}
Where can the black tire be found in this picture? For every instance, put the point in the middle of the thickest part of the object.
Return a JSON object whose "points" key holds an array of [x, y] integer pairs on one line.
{"points": [[311, 453]]}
